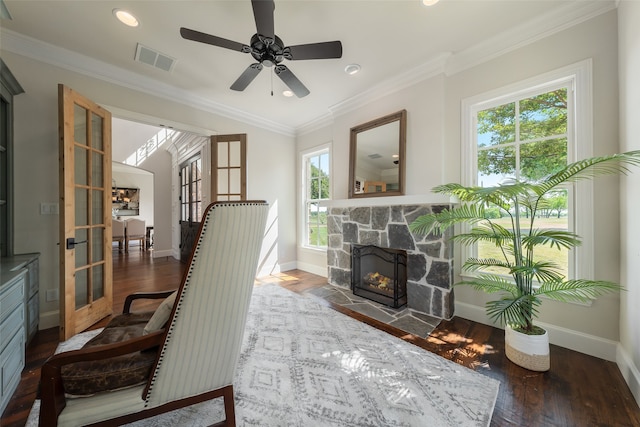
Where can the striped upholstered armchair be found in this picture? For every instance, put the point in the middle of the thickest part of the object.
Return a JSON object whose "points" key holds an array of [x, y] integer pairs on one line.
{"points": [[207, 318]]}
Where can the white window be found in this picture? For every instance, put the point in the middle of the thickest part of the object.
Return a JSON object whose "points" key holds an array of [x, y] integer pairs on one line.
{"points": [[528, 131], [316, 188]]}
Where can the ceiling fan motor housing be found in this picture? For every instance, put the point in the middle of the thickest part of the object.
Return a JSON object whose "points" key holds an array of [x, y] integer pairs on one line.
{"points": [[268, 51]]}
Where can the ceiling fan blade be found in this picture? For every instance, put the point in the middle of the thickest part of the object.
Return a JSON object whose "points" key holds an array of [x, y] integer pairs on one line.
{"points": [[247, 77], [212, 40], [263, 14], [321, 50], [291, 81]]}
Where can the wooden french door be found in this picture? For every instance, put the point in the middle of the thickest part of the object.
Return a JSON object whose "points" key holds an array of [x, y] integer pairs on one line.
{"points": [[85, 218], [229, 167], [190, 204]]}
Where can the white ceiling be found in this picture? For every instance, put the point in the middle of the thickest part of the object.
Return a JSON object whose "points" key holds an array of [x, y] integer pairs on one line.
{"points": [[395, 42]]}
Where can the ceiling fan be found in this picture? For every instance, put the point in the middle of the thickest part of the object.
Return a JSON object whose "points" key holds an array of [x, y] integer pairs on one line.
{"points": [[268, 49]]}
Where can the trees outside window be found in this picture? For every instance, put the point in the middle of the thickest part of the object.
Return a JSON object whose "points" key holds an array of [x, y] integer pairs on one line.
{"points": [[316, 189], [527, 133]]}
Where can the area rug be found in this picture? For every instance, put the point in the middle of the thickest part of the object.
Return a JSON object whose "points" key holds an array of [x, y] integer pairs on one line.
{"points": [[304, 364]]}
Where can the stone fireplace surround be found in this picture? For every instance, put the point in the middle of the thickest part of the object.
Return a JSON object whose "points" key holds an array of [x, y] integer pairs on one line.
{"points": [[429, 258]]}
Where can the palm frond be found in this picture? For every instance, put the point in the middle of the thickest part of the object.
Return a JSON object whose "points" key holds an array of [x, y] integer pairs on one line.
{"points": [[541, 271], [439, 222], [475, 195], [496, 235], [589, 168], [491, 283], [476, 264], [518, 311], [580, 290], [552, 238]]}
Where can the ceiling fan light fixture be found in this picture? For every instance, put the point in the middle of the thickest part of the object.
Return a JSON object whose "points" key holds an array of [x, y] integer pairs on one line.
{"points": [[352, 69], [429, 2], [287, 93], [126, 18]]}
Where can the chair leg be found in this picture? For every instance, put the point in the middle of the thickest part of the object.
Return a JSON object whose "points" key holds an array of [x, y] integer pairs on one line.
{"points": [[229, 407]]}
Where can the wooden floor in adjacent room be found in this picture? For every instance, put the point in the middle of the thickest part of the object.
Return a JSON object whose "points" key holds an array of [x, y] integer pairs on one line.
{"points": [[578, 391]]}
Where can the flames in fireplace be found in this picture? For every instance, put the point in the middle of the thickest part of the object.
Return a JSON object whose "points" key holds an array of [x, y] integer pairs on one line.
{"points": [[379, 274]]}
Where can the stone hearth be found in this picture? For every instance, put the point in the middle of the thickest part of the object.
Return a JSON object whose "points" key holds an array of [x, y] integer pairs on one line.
{"points": [[429, 258]]}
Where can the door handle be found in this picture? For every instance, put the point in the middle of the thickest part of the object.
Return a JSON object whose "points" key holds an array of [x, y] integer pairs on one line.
{"points": [[71, 242]]}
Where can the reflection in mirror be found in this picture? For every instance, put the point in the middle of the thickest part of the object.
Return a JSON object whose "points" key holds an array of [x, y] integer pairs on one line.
{"points": [[376, 163]]}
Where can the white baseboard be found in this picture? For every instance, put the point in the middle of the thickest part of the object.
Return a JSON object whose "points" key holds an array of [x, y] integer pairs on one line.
{"points": [[563, 337], [311, 268], [166, 253], [267, 270], [630, 372], [50, 319]]}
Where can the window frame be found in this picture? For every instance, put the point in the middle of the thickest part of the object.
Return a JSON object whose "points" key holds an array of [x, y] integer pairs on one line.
{"points": [[305, 159], [578, 80]]}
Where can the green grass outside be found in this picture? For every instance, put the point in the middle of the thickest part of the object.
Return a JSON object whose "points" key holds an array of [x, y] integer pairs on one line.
{"points": [[318, 235], [560, 257]]}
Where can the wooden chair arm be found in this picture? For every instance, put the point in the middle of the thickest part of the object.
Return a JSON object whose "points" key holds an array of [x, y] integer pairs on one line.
{"points": [[143, 295], [51, 385]]}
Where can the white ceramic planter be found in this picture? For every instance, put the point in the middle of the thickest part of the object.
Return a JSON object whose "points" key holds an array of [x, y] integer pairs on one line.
{"points": [[529, 351]]}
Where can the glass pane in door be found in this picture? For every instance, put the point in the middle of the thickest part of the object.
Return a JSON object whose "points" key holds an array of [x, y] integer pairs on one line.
{"points": [[81, 206], [80, 124], [97, 275], [97, 244], [97, 161], [96, 132], [80, 165], [82, 286], [235, 153], [97, 203], [82, 257]]}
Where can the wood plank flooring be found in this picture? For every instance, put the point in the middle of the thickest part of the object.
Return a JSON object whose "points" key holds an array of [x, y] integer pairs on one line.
{"points": [[579, 390]]}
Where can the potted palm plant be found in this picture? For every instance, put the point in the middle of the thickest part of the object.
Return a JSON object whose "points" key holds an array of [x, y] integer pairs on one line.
{"points": [[519, 276]]}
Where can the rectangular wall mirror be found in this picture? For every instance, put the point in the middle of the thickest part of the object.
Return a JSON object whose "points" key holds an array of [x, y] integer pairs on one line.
{"points": [[377, 157]]}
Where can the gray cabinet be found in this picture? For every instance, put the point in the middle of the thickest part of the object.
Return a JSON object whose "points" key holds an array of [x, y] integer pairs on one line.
{"points": [[32, 298], [19, 317], [12, 333]]}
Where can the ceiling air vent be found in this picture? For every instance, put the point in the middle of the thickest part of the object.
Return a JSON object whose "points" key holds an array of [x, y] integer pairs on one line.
{"points": [[374, 156], [154, 58]]}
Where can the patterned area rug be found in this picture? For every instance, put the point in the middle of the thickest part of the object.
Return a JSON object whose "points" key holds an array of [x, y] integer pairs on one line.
{"points": [[304, 364]]}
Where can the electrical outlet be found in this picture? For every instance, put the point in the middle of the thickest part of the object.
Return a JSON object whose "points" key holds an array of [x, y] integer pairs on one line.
{"points": [[52, 295]]}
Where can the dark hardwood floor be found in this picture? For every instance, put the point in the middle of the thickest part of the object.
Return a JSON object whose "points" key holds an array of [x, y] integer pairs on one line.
{"points": [[578, 390]]}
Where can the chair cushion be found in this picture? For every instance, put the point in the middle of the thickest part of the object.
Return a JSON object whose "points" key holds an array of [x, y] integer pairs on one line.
{"points": [[161, 314], [88, 378]]}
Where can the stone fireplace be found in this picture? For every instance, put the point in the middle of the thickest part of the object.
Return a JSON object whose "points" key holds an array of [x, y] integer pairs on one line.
{"points": [[429, 258]]}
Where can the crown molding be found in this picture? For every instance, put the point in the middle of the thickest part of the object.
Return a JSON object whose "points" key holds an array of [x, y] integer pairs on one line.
{"points": [[81, 64], [529, 32], [445, 63], [408, 78]]}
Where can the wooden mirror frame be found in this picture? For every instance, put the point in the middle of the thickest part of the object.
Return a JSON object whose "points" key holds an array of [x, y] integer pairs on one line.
{"points": [[401, 117]]}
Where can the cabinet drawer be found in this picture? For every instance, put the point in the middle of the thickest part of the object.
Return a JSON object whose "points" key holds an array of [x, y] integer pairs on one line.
{"points": [[12, 323], [11, 297], [33, 315], [11, 364], [33, 278]]}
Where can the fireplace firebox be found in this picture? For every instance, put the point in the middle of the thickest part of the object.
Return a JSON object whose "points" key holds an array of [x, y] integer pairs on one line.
{"points": [[379, 274]]}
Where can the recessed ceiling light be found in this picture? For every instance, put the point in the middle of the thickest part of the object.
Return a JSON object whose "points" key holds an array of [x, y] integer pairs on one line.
{"points": [[429, 2], [126, 17], [287, 93], [352, 69]]}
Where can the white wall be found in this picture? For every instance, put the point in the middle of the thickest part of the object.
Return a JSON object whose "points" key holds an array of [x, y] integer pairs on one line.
{"points": [[271, 162], [629, 69], [434, 157]]}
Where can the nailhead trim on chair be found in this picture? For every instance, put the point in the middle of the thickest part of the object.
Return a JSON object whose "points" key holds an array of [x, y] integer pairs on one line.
{"points": [[177, 308]]}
